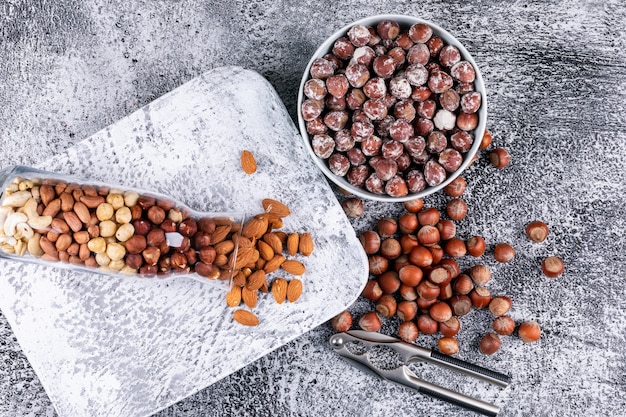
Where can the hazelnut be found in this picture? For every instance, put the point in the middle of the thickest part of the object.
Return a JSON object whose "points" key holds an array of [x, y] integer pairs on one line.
{"points": [[107, 228], [353, 207], [406, 310], [389, 282], [169, 226], [408, 331], [175, 215], [134, 260], [142, 227], [450, 327], [386, 305], [447, 229], [103, 259], [123, 215], [537, 231], [206, 225], [155, 237], [146, 202], [199, 240], [156, 215], [552, 266], [476, 246], [448, 345], [206, 270], [136, 244], [456, 188], [460, 304], [408, 242], [370, 240], [421, 256], [437, 252], [480, 297], [188, 227], [104, 211], [178, 261], [499, 158], [378, 264], [372, 290], [410, 275], [413, 206], [390, 248], [529, 331], [427, 290], [407, 223], [456, 209], [148, 270], [116, 200], [342, 322], [503, 252], [427, 325], [151, 255], [124, 232], [428, 217], [440, 311], [503, 325], [136, 212], [480, 274], [500, 305], [455, 247], [115, 251], [370, 322], [130, 198], [490, 344], [387, 226], [407, 292], [463, 284], [207, 254], [97, 245], [428, 235]]}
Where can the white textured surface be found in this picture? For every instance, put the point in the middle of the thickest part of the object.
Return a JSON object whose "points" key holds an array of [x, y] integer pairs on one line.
{"points": [[119, 346]]}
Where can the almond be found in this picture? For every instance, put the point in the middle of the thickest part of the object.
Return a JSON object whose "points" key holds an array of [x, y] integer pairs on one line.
{"points": [[274, 241], [255, 280], [306, 244], [274, 263], [293, 267], [244, 254], [293, 241], [248, 163], [224, 247], [245, 318], [239, 279], [220, 233], [82, 212], [254, 228], [294, 290], [249, 297], [233, 297], [281, 235], [265, 250], [279, 290], [275, 207]]}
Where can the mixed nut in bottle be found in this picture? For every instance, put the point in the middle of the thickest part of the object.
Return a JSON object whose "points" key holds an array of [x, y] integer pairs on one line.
{"points": [[54, 219]]}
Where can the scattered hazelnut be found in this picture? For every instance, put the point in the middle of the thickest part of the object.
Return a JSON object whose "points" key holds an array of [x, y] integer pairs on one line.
{"points": [[450, 327], [342, 322], [387, 226], [476, 246], [448, 345], [406, 310], [463, 284], [370, 322], [503, 252], [500, 305], [353, 207], [389, 282], [408, 331], [503, 325], [499, 158], [378, 264], [428, 217], [427, 325], [529, 331], [480, 274], [372, 290], [460, 304], [456, 209], [481, 297], [440, 311], [490, 344], [370, 240], [413, 206], [386, 305], [486, 140], [455, 247], [537, 231], [390, 248], [552, 266]]}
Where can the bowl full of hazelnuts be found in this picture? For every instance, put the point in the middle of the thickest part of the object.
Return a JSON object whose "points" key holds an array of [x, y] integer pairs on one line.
{"points": [[392, 108]]}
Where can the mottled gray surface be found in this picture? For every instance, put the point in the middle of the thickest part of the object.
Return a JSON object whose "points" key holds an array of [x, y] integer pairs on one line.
{"points": [[555, 76]]}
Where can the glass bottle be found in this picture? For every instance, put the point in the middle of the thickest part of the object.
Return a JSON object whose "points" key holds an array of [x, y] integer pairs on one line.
{"points": [[54, 219]]}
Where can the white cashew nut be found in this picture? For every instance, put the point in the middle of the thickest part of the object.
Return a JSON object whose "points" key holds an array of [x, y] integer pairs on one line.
{"points": [[23, 231], [34, 219], [12, 220], [34, 248], [10, 240], [17, 199], [4, 213]]}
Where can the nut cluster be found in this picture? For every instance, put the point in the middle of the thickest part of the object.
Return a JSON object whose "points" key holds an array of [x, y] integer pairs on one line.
{"points": [[415, 277], [391, 110], [113, 230], [263, 250]]}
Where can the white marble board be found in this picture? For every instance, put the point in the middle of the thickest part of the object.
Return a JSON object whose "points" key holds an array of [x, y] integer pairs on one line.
{"points": [[120, 346]]}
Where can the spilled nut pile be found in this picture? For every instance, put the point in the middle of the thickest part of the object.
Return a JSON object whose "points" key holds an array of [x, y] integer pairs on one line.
{"points": [[262, 250], [415, 276], [113, 230]]}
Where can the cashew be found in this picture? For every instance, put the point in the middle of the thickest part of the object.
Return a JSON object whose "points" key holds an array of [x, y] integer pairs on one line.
{"points": [[34, 248], [12, 220], [7, 248], [11, 188], [9, 240], [17, 199], [20, 248], [25, 185], [35, 193], [34, 219], [23, 231], [4, 213]]}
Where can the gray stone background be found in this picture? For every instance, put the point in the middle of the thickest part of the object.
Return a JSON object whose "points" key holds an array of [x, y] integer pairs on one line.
{"points": [[555, 73]]}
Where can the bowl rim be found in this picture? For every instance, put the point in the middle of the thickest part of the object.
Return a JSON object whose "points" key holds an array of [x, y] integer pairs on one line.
{"points": [[478, 132]]}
